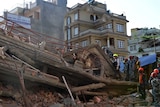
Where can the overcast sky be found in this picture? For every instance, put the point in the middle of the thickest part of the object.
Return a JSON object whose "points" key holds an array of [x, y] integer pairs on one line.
{"points": [[139, 13]]}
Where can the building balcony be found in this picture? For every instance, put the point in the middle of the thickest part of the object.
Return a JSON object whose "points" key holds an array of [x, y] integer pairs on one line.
{"points": [[93, 31], [87, 23]]}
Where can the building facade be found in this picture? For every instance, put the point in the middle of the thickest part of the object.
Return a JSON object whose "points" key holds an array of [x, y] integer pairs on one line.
{"points": [[91, 23], [46, 17], [144, 41]]}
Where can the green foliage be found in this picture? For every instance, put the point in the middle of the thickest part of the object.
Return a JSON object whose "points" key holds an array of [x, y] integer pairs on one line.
{"points": [[140, 49]]}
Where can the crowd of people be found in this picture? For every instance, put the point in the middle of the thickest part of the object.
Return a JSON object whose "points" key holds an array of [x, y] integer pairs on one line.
{"points": [[130, 69], [133, 71]]}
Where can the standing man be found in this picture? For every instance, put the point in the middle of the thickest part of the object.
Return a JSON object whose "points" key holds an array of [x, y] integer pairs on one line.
{"points": [[131, 68], [126, 71], [116, 64], [142, 83]]}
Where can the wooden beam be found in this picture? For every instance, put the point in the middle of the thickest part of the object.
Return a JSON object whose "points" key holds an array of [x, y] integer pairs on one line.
{"points": [[88, 87]]}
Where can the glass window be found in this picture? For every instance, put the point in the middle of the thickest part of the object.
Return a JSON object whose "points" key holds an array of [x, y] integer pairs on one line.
{"points": [[68, 34], [131, 48], [135, 48], [120, 28], [76, 31], [120, 44], [76, 16], [109, 26], [84, 43], [68, 20]]}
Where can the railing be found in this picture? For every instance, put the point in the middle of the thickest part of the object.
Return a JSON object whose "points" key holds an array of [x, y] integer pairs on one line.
{"points": [[95, 31]]}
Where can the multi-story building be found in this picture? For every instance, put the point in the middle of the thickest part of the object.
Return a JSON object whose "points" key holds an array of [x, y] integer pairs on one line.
{"points": [[91, 23], [144, 41], [46, 17]]}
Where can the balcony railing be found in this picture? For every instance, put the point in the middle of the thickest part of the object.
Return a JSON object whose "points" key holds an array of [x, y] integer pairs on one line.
{"points": [[96, 31]]}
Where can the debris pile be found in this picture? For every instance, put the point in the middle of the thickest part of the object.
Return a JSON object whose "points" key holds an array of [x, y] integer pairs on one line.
{"points": [[40, 63]]}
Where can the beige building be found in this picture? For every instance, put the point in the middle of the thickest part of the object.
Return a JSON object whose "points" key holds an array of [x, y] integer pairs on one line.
{"points": [[92, 23]]}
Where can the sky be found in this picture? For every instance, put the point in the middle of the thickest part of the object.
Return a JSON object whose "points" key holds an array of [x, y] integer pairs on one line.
{"points": [[139, 13]]}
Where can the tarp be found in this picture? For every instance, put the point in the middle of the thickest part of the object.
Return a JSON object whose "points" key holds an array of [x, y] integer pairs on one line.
{"points": [[145, 60]]}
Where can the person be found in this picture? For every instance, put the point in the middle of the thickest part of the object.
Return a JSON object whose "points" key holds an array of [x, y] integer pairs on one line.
{"points": [[116, 64], [126, 71], [155, 71], [131, 68], [142, 83], [137, 66], [155, 83]]}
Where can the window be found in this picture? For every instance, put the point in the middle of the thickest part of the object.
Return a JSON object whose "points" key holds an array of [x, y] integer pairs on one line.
{"points": [[120, 28], [76, 16], [68, 20], [75, 31], [93, 17], [109, 26], [120, 44], [98, 42], [84, 43], [133, 48], [68, 34], [111, 41]]}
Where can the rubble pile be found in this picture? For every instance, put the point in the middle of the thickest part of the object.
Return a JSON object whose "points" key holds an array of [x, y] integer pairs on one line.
{"points": [[88, 78], [42, 97]]}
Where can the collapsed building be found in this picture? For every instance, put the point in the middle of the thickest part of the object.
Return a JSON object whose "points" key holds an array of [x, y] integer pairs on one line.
{"points": [[30, 59]]}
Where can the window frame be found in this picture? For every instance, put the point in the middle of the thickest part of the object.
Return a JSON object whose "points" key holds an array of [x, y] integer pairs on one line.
{"points": [[76, 16], [121, 44], [119, 27], [76, 31]]}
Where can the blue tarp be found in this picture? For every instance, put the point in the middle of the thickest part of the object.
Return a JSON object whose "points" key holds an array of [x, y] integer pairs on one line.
{"points": [[145, 60]]}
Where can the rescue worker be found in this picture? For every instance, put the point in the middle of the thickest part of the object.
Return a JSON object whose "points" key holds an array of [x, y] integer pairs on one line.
{"points": [[126, 71], [142, 83], [137, 66], [155, 83], [131, 68], [116, 64], [155, 71]]}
